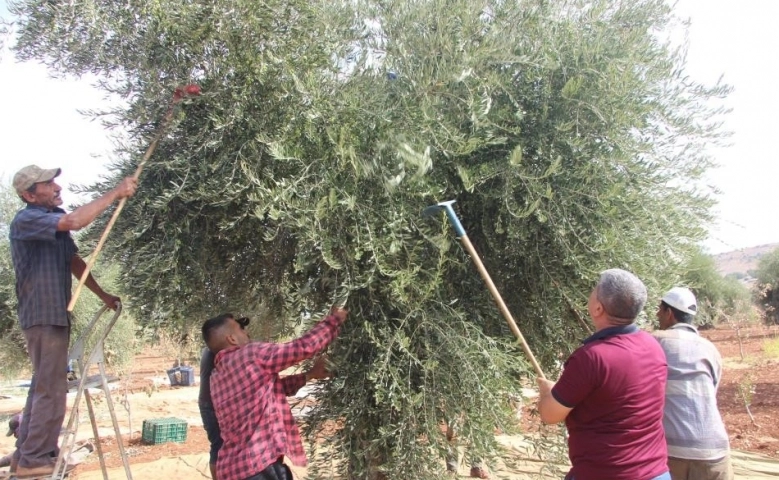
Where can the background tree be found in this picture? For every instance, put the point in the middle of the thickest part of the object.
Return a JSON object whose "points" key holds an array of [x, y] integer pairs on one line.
{"points": [[719, 298], [12, 353], [768, 285], [568, 133]]}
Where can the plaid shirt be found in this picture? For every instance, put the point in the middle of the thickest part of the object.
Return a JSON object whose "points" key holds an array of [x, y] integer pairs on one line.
{"points": [[250, 400], [41, 256]]}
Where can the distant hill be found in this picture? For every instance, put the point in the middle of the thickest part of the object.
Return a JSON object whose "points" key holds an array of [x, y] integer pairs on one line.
{"points": [[742, 261]]}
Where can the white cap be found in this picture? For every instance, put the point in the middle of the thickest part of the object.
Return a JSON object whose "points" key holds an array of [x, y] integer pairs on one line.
{"points": [[681, 299]]}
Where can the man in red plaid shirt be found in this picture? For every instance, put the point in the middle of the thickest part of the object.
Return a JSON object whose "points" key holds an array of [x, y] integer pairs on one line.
{"points": [[250, 399]]}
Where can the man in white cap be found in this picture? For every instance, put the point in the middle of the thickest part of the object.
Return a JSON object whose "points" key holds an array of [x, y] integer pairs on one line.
{"points": [[698, 446], [44, 257]]}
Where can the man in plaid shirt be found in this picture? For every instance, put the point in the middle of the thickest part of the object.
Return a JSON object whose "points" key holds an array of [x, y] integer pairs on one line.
{"points": [[210, 423], [250, 399]]}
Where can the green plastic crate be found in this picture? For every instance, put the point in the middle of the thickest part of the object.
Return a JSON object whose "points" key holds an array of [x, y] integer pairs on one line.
{"points": [[161, 430]]}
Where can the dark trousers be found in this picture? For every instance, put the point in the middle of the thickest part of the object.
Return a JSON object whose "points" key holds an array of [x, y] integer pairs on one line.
{"points": [[275, 471], [211, 425], [47, 346]]}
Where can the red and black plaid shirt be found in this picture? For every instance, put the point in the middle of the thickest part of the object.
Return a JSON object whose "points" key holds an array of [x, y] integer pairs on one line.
{"points": [[250, 400]]}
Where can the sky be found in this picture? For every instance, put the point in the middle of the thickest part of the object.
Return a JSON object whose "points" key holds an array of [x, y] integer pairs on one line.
{"points": [[740, 40], [40, 121]]}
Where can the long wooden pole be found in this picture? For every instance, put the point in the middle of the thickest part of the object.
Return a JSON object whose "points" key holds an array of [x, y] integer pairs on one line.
{"points": [[178, 95], [501, 304], [463, 237]]}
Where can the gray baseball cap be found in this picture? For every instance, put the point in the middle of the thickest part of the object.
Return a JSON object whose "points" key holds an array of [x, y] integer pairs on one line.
{"points": [[32, 174]]}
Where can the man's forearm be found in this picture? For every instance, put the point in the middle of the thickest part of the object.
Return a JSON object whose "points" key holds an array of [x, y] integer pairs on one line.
{"points": [[293, 383], [288, 354], [550, 410], [86, 214], [77, 267]]}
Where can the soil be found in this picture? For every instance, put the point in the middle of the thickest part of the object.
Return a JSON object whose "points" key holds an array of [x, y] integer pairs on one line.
{"points": [[750, 379], [750, 385]]}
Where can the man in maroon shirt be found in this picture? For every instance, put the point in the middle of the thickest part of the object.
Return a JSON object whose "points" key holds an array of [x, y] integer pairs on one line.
{"points": [[250, 399], [612, 390]]}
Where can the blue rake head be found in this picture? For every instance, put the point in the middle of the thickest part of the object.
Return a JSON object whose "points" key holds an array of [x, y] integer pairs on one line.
{"points": [[451, 215]]}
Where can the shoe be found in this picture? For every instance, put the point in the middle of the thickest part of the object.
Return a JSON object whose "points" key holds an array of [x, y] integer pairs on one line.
{"points": [[478, 472], [34, 472], [44, 471]]}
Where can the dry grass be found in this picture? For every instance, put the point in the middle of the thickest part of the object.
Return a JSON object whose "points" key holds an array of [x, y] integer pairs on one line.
{"points": [[771, 348]]}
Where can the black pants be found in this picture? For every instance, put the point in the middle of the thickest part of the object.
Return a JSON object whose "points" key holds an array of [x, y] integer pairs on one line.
{"points": [[275, 471], [211, 425]]}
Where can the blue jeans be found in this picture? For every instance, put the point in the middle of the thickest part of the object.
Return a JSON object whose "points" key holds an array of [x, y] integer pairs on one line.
{"points": [[665, 476]]}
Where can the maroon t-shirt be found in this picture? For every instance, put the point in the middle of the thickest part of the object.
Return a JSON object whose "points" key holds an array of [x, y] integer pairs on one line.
{"points": [[615, 384]]}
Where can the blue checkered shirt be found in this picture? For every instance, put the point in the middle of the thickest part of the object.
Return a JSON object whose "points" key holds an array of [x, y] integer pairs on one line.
{"points": [[693, 426], [41, 256]]}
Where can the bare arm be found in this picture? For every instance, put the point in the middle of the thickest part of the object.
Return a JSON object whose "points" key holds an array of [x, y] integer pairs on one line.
{"points": [[319, 369], [550, 409], [86, 214], [77, 267], [293, 383]]}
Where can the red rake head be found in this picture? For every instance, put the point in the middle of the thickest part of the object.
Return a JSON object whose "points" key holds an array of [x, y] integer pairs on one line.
{"points": [[190, 90]]}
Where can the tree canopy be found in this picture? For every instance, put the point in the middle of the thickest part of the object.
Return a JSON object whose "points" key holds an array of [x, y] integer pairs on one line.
{"points": [[719, 298], [768, 285], [567, 131], [9, 205]]}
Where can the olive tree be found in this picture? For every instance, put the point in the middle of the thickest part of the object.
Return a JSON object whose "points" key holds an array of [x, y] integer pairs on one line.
{"points": [[768, 285], [567, 131]]}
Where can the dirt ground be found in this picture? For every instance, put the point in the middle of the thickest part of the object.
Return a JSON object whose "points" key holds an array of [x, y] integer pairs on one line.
{"points": [[751, 377]]}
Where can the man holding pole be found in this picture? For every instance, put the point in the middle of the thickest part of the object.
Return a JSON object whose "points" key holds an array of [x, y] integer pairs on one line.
{"points": [[612, 389], [44, 257]]}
